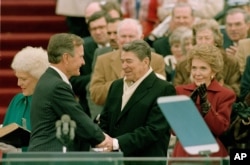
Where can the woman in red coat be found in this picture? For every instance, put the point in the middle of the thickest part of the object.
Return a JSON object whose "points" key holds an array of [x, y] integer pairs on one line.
{"points": [[212, 100]]}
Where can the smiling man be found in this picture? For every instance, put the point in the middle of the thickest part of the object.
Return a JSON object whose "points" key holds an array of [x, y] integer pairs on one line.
{"points": [[237, 26], [54, 97], [131, 114], [108, 66]]}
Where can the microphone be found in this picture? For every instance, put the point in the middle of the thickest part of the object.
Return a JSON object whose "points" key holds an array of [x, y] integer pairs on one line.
{"points": [[65, 131], [58, 129], [65, 123], [72, 129]]}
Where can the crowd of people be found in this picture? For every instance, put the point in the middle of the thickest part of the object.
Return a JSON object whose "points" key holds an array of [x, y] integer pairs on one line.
{"points": [[108, 72]]}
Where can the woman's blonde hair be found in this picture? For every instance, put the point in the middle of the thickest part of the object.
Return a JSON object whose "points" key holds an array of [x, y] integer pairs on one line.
{"points": [[207, 53]]}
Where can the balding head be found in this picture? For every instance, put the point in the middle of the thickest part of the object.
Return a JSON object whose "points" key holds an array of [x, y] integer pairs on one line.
{"points": [[91, 9], [128, 30]]}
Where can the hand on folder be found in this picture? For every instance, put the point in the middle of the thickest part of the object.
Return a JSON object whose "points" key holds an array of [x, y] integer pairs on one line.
{"points": [[6, 148]]}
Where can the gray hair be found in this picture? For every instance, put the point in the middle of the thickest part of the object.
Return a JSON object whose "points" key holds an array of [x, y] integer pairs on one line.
{"points": [[62, 43], [181, 5], [186, 35], [176, 35], [33, 60], [239, 10], [131, 23], [211, 24], [139, 47]]}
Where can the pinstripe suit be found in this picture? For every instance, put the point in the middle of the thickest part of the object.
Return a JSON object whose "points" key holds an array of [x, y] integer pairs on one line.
{"points": [[52, 98]]}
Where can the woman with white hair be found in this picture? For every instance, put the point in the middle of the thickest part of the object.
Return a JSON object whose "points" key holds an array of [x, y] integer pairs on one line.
{"points": [[28, 64]]}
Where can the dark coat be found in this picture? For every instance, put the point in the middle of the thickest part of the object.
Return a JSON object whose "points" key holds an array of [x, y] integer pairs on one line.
{"points": [[217, 118], [162, 46], [53, 98], [141, 129], [245, 80]]}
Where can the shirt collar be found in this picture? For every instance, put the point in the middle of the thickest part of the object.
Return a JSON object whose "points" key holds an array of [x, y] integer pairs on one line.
{"points": [[62, 75], [101, 46]]}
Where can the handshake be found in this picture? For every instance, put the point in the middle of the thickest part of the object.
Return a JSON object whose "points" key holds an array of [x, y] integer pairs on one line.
{"points": [[201, 91], [106, 145]]}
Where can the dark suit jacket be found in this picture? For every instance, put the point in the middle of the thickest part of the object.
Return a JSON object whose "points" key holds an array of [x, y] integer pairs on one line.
{"points": [[140, 127], [79, 83], [245, 80], [227, 42], [53, 98], [162, 46]]}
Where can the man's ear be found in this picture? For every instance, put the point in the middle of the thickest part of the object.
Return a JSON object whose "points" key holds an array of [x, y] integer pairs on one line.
{"points": [[146, 61], [65, 58]]}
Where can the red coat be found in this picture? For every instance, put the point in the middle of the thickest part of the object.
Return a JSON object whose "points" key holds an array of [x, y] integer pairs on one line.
{"points": [[217, 118]]}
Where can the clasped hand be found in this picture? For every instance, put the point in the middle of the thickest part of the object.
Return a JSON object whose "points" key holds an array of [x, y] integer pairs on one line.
{"points": [[106, 145], [201, 91]]}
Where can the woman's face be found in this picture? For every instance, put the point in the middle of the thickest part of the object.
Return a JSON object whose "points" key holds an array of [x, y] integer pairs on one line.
{"points": [[26, 82], [201, 72], [176, 50], [204, 36]]}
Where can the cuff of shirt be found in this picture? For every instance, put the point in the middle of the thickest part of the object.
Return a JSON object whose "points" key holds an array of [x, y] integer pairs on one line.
{"points": [[115, 144]]}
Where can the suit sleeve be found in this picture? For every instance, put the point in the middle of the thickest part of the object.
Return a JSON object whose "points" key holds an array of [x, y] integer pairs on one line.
{"points": [[232, 74], [64, 103], [241, 56], [219, 114]]}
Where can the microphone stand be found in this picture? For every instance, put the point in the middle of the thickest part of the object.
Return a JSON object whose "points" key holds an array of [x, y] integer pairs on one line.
{"points": [[65, 131]]}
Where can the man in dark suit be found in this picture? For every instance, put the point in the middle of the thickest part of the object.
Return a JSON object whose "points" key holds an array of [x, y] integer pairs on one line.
{"points": [[112, 35], [54, 97], [131, 114], [236, 29]]}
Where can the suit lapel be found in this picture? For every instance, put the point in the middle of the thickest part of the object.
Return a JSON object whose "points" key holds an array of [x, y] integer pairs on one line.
{"points": [[139, 93]]}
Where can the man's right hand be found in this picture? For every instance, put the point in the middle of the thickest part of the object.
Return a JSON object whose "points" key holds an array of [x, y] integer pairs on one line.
{"points": [[106, 144]]}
